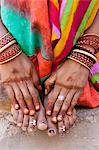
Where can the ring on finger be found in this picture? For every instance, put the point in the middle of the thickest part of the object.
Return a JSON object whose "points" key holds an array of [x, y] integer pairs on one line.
{"points": [[63, 128], [61, 97]]}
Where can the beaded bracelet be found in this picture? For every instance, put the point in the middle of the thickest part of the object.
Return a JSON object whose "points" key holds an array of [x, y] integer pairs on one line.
{"points": [[82, 59], [10, 54], [86, 54], [6, 41], [89, 39], [84, 47]]}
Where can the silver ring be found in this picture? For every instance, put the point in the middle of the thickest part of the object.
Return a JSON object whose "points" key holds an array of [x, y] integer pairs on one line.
{"points": [[63, 128], [61, 97], [33, 122]]}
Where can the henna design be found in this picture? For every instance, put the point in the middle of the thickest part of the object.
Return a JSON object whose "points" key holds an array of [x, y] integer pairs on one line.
{"points": [[69, 86]]}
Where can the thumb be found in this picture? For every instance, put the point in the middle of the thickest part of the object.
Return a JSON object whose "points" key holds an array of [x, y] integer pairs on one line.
{"points": [[49, 83], [36, 80]]}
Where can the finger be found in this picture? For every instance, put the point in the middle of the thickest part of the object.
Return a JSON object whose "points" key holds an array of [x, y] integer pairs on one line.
{"points": [[32, 124], [20, 118], [27, 97], [72, 118], [74, 102], [66, 104], [34, 93], [49, 83], [12, 97], [25, 122], [58, 104], [36, 80], [51, 99], [61, 128], [19, 97], [14, 114]]}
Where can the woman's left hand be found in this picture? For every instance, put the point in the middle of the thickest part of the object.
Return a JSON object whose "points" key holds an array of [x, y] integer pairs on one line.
{"points": [[68, 82]]}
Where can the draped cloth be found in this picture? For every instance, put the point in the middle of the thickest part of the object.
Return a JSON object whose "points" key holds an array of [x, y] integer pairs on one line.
{"points": [[46, 30]]}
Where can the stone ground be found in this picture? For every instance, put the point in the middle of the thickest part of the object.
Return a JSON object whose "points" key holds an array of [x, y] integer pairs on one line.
{"points": [[83, 136]]}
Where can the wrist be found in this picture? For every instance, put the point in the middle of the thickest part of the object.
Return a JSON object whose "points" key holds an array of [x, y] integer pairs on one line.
{"points": [[84, 52]]}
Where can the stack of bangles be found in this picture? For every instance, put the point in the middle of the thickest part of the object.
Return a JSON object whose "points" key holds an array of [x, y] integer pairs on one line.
{"points": [[85, 49], [9, 48]]}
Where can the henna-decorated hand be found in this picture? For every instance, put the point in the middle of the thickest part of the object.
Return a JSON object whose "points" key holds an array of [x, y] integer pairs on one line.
{"points": [[68, 82], [18, 77]]}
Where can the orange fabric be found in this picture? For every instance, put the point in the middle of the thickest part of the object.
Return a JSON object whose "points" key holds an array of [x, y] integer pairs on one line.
{"points": [[44, 66], [90, 97]]}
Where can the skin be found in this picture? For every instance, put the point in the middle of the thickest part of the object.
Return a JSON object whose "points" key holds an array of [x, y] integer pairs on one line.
{"points": [[43, 122], [19, 80], [21, 88], [23, 121], [69, 80]]}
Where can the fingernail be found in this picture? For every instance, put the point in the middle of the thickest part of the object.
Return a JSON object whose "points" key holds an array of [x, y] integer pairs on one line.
{"points": [[48, 112], [37, 107], [16, 106], [69, 113], [46, 92], [26, 111], [32, 112], [54, 119], [59, 118], [19, 124]]}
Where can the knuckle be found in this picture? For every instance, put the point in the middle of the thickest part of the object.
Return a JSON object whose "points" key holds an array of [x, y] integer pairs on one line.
{"points": [[19, 97], [28, 97], [66, 103], [58, 103]]}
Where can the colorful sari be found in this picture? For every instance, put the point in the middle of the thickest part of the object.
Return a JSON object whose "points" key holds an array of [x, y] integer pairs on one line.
{"points": [[61, 23]]}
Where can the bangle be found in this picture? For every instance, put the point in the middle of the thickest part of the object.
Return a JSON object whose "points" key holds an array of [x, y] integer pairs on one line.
{"points": [[91, 34], [7, 46], [85, 53], [6, 41], [89, 39], [79, 62], [9, 54], [84, 47], [82, 58]]}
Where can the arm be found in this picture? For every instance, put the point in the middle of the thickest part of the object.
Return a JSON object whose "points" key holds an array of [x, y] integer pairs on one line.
{"points": [[69, 81], [18, 78]]}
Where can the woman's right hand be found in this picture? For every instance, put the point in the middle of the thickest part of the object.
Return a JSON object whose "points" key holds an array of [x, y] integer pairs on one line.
{"points": [[19, 79]]}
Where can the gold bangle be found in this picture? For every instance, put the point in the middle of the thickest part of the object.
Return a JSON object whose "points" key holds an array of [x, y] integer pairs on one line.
{"points": [[79, 62], [7, 46], [86, 53], [91, 34], [10, 58]]}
